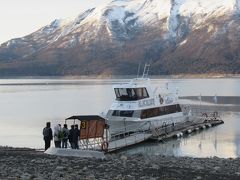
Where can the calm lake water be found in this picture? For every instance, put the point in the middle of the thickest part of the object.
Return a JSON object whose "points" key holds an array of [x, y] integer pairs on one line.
{"points": [[27, 104]]}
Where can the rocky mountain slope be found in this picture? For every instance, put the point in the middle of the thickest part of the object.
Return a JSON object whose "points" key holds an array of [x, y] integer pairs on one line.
{"points": [[175, 36]]}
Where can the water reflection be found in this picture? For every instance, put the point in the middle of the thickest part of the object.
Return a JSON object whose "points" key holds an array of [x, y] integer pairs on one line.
{"points": [[222, 141], [170, 148]]}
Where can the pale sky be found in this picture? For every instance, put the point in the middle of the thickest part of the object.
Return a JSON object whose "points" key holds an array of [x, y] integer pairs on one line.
{"points": [[21, 17]]}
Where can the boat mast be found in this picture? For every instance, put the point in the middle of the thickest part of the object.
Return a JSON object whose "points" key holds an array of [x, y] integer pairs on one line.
{"points": [[139, 65], [146, 70]]}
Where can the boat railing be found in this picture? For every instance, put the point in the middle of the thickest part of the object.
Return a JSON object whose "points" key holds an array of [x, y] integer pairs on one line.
{"points": [[207, 112], [142, 133], [93, 143], [164, 128], [148, 127], [132, 130], [128, 139]]}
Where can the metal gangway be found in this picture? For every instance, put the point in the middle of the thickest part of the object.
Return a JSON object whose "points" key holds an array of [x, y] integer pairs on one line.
{"points": [[128, 140]]}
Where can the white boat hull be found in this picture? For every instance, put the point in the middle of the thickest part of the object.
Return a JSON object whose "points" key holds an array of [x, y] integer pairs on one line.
{"points": [[124, 125]]}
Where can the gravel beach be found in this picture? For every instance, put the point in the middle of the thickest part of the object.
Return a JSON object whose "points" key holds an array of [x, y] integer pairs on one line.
{"points": [[17, 163]]}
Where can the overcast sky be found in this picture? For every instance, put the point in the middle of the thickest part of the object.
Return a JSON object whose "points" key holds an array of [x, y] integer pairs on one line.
{"points": [[21, 17]]}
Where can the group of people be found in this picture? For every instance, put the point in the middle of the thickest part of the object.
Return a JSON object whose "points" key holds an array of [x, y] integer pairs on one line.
{"points": [[61, 136]]}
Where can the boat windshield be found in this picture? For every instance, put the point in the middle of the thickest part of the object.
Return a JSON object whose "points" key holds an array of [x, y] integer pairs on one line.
{"points": [[130, 94]]}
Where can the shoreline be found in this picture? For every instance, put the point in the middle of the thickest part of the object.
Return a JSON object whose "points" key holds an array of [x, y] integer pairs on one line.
{"points": [[170, 76], [26, 163]]}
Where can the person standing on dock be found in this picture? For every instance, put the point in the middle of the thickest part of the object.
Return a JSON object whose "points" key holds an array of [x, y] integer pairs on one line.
{"points": [[76, 135], [57, 136], [65, 133], [47, 135], [70, 137]]}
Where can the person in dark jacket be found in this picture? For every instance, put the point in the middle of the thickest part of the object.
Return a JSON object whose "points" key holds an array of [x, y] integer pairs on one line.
{"points": [[70, 137], [76, 134], [65, 133], [47, 135]]}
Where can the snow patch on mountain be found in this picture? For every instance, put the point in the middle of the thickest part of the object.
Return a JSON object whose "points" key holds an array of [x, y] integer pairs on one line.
{"points": [[183, 42], [73, 25], [82, 16], [213, 7], [116, 13], [173, 20], [17, 42], [237, 6], [58, 23], [11, 43]]}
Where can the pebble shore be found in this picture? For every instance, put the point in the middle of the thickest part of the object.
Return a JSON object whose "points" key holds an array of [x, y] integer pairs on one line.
{"points": [[17, 163]]}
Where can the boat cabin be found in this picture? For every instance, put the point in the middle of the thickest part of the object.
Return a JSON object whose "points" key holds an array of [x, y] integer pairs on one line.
{"points": [[137, 89], [130, 94], [138, 99]]}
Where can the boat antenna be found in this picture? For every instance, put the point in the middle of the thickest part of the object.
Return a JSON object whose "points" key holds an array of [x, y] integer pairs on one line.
{"points": [[139, 65], [146, 70], [200, 101]]}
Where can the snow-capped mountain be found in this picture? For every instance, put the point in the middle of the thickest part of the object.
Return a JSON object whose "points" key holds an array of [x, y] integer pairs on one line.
{"points": [[176, 36]]}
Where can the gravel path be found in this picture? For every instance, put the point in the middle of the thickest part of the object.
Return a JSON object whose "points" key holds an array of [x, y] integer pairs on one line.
{"points": [[18, 163]]}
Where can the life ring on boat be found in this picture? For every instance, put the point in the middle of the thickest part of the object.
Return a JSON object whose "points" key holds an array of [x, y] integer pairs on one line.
{"points": [[104, 146]]}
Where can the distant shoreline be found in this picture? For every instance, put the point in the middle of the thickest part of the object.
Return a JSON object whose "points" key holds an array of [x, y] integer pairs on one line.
{"points": [[20, 163], [179, 76]]}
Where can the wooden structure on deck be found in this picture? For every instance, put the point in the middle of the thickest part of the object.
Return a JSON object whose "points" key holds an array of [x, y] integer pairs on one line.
{"points": [[93, 131]]}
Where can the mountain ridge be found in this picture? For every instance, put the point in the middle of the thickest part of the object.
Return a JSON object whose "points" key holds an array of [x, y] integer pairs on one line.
{"points": [[176, 36]]}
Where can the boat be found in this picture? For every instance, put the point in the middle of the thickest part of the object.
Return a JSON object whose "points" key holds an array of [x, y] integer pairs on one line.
{"points": [[139, 106], [140, 111]]}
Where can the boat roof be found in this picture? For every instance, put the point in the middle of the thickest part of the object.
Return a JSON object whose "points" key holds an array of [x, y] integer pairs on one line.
{"points": [[86, 118], [135, 83]]}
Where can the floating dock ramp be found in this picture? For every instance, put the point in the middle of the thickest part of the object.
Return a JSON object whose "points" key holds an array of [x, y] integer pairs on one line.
{"points": [[129, 140]]}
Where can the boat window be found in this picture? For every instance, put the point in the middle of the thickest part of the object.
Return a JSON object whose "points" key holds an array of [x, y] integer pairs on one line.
{"points": [[148, 113], [159, 111], [122, 113], [130, 94], [117, 93], [145, 94], [139, 92]]}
